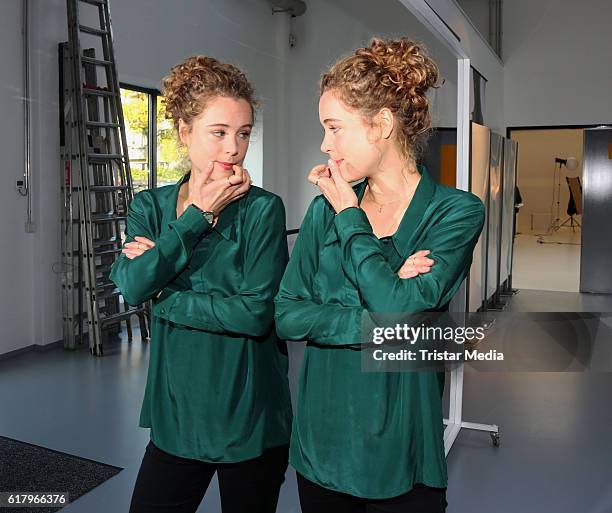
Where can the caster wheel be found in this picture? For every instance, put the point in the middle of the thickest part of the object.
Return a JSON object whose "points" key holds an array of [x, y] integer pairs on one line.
{"points": [[495, 438]]}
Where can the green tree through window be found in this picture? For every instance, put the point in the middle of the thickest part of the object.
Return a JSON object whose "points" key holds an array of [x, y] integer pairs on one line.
{"points": [[170, 157]]}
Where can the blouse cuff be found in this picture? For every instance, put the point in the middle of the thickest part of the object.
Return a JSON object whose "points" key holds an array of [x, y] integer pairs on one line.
{"points": [[192, 224], [351, 221], [163, 304]]}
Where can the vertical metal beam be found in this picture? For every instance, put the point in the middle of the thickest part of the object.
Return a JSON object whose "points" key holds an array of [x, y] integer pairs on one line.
{"points": [[27, 172], [463, 124], [440, 29], [152, 150]]}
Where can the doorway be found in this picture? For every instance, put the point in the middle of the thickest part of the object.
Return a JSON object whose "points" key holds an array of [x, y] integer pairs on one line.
{"points": [[548, 224]]}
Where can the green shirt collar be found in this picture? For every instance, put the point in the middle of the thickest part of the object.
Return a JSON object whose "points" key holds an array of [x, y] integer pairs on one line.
{"points": [[225, 224], [422, 196]]}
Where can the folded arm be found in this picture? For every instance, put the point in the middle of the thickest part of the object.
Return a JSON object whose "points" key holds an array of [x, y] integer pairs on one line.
{"points": [[141, 278], [451, 241], [299, 316], [250, 311]]}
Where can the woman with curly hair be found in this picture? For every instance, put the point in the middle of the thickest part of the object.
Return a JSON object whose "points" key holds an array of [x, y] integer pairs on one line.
{"points": [[210, 251], [396, 242]]}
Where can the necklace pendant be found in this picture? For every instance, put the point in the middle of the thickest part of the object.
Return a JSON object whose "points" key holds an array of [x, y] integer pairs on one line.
{"points": [[380, 209]]}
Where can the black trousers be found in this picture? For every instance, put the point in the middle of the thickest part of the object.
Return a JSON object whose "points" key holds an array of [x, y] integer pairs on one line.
{"points": [[421, 499], [170, 484]]}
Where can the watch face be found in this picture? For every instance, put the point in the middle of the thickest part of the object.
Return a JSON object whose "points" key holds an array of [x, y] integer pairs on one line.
{"points": [[208, 216]]}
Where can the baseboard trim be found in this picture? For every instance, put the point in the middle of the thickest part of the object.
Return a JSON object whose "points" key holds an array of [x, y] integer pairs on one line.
{"points": [[34, 347]]}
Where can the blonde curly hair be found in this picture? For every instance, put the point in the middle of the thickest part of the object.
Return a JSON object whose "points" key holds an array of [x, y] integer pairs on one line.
{"points": [[391, 73], [195, 81]]}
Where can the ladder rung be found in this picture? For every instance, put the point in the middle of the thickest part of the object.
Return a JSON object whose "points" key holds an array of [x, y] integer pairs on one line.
{"points": [[77, 253], [96, 62], [121, 316], [99, 284], [83, 315], [101, 218], [102, 310], [92, 30], [108, 294], [102, 124], [108, 251], [103, 268], [100, 269], [106, 188], [106, 217], [104, 242], [97, 92], [104, 156], [94, 2]]}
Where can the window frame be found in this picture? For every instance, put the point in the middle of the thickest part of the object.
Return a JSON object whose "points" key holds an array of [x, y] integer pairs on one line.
{"points": [[152, 95]]}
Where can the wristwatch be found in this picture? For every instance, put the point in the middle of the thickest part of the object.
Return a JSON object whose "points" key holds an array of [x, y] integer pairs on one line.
{"points": [[209, 216]]}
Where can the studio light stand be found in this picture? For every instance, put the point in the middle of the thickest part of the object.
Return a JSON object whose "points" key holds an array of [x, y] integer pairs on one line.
{"points": [[576, 198], [570, 164]]}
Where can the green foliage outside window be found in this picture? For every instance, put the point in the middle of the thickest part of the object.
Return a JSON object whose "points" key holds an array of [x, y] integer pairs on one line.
{"points": [[171, 156]]}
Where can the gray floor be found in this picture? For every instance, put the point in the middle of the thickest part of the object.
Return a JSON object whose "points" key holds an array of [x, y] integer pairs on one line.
{"points": [[555, 456]]}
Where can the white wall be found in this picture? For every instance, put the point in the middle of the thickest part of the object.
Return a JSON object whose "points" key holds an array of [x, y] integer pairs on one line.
{"points": [[557, 62], [17, 255]]}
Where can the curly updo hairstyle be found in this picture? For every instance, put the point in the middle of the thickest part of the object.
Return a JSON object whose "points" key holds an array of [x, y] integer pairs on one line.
{"points": [[193, 83], [391, 73]]}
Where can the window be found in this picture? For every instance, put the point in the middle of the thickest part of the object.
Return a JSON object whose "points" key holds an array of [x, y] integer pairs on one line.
{"points": [[155, 157]]}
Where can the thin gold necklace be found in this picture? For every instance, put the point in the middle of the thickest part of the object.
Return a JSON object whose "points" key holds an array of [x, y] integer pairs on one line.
{"points": [[381, 205]]}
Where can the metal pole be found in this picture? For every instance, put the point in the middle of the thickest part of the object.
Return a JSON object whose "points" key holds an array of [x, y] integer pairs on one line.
{"points": [[25, 189]]}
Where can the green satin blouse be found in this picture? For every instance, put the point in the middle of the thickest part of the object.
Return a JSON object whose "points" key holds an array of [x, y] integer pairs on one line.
{"points": [[371, 434], [217, 387]]}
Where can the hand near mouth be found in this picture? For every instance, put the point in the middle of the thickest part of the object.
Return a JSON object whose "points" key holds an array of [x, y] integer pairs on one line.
{"points": [[322, 170], [336, 189], [215, 195]]}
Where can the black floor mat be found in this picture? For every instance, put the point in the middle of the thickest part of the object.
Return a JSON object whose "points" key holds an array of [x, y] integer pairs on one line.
{"points": [[30, 468]]}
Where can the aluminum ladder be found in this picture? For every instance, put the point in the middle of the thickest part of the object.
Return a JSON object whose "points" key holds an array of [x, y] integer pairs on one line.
{"points": [[96, 182]]}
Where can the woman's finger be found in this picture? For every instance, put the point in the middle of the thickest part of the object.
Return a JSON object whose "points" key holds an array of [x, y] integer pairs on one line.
{"points": [[202, 178], [132, 254], [245, 185], [134, 246], [422, 262], [336, 175], [238, 173], [240, 191], [421, 253], [412, 262], [315, 173], [144, 240], [410, 270], [247, 177], [326, 185], [407, 274]]}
